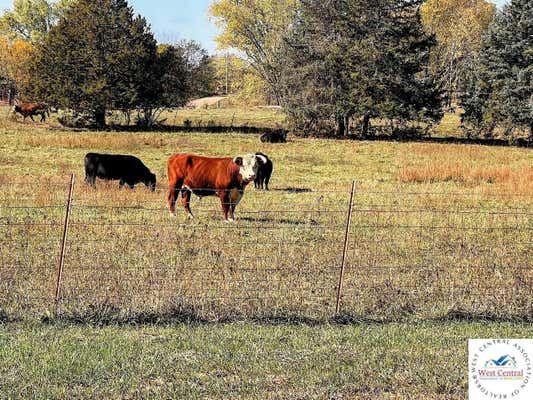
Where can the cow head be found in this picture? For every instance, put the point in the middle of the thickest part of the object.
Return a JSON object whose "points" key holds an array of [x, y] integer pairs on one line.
{"points": [[150, 181], [262, 158], [16, 109], [248, 166]]}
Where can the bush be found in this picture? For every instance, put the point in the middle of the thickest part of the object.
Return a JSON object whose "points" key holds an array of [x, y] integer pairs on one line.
{"points": [[73, 119]]}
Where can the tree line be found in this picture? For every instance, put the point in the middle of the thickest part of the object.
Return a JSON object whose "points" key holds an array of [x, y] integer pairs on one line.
{"points": [[340, 66], [336, 67], [94, 56]]}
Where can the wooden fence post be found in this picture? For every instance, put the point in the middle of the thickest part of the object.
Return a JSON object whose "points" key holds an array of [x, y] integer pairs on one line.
{"points": [[63, 244], [344, 251]]}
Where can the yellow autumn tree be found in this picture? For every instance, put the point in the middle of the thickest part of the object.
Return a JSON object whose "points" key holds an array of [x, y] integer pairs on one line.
{"points": [[459, 26], [255, 28], [14, 63], [20, 56]]}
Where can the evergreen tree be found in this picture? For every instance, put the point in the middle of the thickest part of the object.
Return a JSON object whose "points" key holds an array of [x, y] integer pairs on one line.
{"points": [[97, 57], [500, 93], [348, 59]]}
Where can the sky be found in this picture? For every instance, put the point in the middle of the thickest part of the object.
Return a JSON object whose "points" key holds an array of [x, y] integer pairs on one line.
{"points": [[172, 20]]}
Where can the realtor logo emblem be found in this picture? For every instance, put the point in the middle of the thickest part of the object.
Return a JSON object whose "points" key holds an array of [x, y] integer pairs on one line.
{"points": [[500, 369]]}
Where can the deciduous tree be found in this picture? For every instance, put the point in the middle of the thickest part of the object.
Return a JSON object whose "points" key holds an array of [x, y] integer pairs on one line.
{"points": [[256, 29], [15, 57], [30, 20], [459, 26]]}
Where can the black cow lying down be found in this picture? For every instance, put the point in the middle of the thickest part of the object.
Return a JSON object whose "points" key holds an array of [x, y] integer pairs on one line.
{"points": [[277, 136], [128, 170]]}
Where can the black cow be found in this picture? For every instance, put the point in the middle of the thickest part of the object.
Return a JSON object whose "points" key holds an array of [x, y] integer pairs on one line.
{"points": [[276, 136], [264, 172], [128, 170]]}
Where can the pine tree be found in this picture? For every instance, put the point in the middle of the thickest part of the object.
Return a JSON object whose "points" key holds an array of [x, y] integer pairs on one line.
{"points": [[347, 59], [96, 58], [501, 92]]}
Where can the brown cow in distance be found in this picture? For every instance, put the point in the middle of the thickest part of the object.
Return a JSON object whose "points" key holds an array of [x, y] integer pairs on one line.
{"points": [[31, 109], [205, 176]]}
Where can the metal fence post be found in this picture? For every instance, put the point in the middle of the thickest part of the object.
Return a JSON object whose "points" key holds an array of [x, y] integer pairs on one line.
{"points": [[344, 251], [63, 244]]}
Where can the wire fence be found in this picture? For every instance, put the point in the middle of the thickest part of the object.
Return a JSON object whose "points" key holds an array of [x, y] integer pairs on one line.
{"points": [[293, 252]]}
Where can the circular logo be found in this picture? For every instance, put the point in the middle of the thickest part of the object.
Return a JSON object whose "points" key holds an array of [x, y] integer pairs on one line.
{"points": [[500, 369]]}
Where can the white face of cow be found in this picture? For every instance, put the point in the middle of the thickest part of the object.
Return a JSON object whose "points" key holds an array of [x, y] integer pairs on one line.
{"points": [[249, 164]]}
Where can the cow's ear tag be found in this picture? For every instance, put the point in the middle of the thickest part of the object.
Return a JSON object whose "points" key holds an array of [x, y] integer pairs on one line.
{"points": [[238, 160]]}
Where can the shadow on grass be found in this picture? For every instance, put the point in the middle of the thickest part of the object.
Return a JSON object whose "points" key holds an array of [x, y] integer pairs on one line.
{"points": [[4, 317], [469, 316], [519, 142], [451, 140], [179, 129], [109, 315], [292, 190], [278, 221]]}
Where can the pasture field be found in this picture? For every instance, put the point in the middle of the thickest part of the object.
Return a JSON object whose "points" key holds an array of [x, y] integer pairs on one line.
{"points": [[220, 117], [438, 232]]}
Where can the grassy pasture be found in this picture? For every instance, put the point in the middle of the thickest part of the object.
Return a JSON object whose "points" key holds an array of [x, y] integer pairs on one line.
{"points": [[437, 229]]}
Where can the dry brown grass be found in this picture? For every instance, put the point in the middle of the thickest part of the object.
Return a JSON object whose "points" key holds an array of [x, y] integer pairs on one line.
{"points": [[503, 177], [125, 142], [468, 167], [420, 255]]}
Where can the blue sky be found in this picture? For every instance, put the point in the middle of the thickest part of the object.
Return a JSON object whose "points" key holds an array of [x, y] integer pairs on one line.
{"points": [[178, 19]]}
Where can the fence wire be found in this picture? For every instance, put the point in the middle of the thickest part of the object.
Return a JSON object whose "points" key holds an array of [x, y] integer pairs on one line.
{"points": [[408, 254]]}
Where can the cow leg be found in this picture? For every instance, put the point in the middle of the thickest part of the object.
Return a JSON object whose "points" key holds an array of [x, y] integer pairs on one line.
{"points": [[186, 202], [31, 117], [43, 117], [120, 184], [234, 198], [173, 191], [267, 179], [225, 202], [91, 180]]}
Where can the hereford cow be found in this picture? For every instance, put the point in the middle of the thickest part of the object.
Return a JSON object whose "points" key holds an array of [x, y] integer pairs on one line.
{"points": [[31, 109], [204, 176], [128, 170], [264, 172]]}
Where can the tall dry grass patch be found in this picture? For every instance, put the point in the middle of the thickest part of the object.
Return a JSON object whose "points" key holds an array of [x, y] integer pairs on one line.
{"points": [[83, 141], [465, 174], [466, 166]]}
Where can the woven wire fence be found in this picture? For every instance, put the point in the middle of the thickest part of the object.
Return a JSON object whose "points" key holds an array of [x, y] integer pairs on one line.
{"points": [[293, 251]]}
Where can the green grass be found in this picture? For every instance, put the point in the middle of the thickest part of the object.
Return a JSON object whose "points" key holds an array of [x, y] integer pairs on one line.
{"points": [[241, 361], [213, 117]]}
